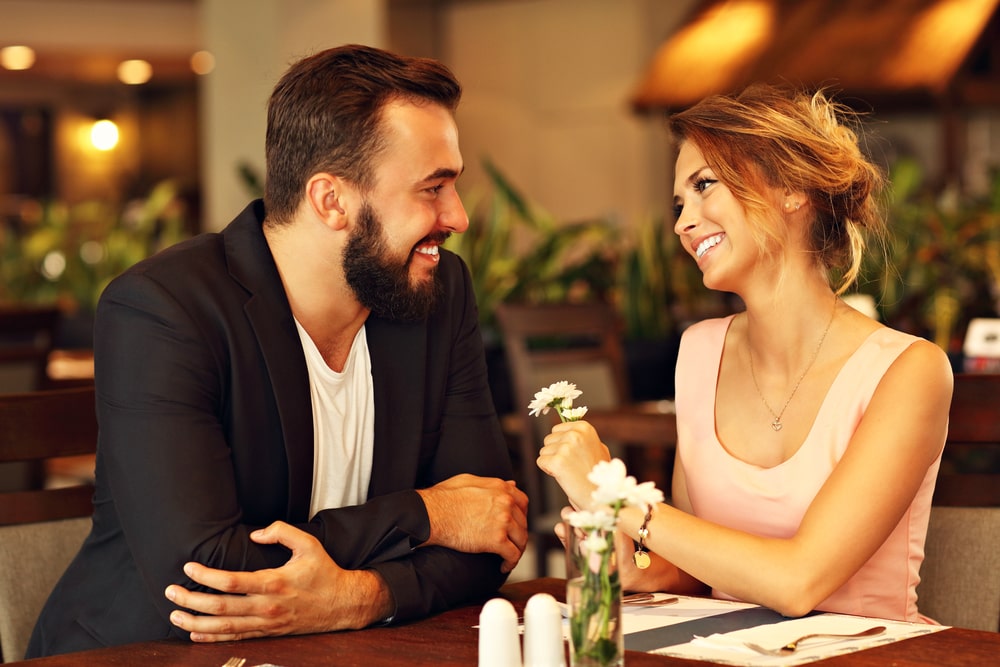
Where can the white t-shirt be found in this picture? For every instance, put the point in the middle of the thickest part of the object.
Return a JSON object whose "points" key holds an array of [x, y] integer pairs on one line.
{"points": [[343, 406]]}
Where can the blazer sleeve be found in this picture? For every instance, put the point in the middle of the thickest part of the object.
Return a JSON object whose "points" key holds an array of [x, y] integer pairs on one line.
{"points": [[460, 433], [167, 472]]}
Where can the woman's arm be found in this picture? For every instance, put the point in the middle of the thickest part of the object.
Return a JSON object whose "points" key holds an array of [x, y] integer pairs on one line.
{"points": [[899, 437]]}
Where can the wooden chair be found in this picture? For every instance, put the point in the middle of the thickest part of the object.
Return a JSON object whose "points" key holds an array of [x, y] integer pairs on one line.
{"points": [[581, 343], [960, 576], [970, 465], [27, 335], [40, 529]]}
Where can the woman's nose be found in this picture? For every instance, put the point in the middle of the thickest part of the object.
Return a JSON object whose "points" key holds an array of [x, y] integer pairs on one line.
{"points": [[686, 221]]}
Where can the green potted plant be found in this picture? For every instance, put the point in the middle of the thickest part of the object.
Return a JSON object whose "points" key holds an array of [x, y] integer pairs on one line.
{"points": [[516, 251], [66, 254], [941, 267]]}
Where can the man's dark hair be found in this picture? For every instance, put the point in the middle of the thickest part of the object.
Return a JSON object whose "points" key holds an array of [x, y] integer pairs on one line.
{"points": [[325, 116]]}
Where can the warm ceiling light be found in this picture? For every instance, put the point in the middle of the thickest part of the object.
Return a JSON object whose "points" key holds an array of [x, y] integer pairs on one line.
{"points": [[709, 54], [104, 135], [937, 41], [202, 62], [17, 57], [134, 72]]}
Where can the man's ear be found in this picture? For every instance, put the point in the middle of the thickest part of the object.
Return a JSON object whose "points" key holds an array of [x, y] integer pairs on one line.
{"points": [[325, 194]]}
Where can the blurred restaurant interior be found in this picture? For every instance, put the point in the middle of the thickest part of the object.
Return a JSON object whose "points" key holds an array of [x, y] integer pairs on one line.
{"points": [[563, 100], [128, 125], [563, 109]]}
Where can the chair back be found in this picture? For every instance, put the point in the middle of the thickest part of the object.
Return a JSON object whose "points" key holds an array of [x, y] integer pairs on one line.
{"points": [[41, 426], [40, 529], [960, 575], [970, 465], [32, 558], [546, 343], [27, 335]]}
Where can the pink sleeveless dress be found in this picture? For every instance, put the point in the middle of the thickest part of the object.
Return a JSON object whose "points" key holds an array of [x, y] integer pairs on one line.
{"points": [[771, 502]]}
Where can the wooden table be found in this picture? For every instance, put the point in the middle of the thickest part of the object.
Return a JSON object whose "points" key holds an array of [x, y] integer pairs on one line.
{"points": [[451, 639]]}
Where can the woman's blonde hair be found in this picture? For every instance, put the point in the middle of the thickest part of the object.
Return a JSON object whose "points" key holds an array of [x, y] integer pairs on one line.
{"points": [[773, 137]]}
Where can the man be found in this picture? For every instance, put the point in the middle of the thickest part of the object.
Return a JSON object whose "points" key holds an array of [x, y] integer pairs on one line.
{"points": [[296, 433]]}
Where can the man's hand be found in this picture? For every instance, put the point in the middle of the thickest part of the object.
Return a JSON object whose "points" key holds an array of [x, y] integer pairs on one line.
{"points": [[309, 593], [478, 515]]}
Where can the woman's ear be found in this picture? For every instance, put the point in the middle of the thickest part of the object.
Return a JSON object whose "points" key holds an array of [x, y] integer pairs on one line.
{"points": [[793, 201]]}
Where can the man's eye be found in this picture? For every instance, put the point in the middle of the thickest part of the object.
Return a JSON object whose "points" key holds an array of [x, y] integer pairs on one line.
{"points": [[702, 184], [435, 189]]}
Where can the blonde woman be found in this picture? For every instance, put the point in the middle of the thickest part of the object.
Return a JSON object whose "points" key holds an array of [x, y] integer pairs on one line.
{"points": [[809, 435]]}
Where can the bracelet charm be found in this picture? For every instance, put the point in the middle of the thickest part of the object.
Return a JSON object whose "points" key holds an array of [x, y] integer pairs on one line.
{"points": [[641, 555]]}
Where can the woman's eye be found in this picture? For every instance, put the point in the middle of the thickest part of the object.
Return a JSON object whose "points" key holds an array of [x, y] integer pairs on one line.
{"points": [[702, 184], [677, 211]]}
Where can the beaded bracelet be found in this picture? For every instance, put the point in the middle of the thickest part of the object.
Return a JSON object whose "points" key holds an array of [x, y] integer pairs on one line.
{"points": [[641, 555]]}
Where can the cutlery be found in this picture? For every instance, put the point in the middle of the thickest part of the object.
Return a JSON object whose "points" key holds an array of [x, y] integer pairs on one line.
{"points": [[234, 662], [791, 646], [642, 600]]}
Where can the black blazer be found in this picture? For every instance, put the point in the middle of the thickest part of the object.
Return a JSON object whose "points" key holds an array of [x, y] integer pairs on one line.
{"points": [[206, 434]]}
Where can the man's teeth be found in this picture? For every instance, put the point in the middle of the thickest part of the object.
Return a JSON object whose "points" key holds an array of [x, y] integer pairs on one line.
{"points": [[428, 250], [710, 242]]}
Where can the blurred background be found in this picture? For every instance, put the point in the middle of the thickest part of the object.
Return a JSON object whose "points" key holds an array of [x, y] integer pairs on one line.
{"points": [[568, 159]]}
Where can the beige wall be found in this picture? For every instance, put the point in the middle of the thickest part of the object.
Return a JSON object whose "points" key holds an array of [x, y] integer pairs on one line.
{"points": [[165, 27], [547, 89], [254, 41]]}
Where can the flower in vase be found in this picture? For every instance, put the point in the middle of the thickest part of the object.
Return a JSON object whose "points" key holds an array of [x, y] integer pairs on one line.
{"points": [[594, 594], [616, 489]]}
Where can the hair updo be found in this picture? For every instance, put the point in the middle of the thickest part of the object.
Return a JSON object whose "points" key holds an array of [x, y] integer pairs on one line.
{"points": [[772, 137]]}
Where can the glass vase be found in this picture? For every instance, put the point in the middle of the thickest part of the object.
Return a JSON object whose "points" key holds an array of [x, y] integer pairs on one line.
{"points": [[594, 598]]}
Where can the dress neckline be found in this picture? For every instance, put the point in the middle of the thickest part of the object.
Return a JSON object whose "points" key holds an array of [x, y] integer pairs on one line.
{"points": [[823, 407]]}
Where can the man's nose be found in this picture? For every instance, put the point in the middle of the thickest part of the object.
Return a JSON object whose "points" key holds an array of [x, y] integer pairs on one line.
{"points": [[453, 216]]}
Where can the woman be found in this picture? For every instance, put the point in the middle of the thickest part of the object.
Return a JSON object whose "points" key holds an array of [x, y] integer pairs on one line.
{"points": [[809, 435]]}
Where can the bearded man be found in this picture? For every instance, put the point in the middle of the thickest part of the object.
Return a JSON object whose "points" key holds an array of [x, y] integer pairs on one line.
{"points": [[296, 432]]}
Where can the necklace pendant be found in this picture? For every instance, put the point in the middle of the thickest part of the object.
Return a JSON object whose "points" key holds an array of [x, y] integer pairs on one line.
{"points": [[776, 424]]}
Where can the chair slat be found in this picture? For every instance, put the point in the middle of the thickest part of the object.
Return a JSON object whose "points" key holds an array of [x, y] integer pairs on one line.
{"points": [[43, 425], [46, 504], [970, 468], [46, 424]]}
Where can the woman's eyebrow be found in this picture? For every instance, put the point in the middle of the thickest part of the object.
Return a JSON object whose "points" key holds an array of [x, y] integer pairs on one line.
{"points": [[695, 174]]}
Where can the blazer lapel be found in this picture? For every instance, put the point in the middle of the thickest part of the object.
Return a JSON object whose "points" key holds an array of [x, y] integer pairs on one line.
{"points": [[270, 316], [398, 357]]}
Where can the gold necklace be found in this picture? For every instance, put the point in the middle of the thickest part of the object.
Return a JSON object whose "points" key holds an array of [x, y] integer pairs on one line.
{"points": [[776, 424]]}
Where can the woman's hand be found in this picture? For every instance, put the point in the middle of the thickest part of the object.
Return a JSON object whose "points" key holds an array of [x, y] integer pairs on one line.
{"points": [[569, 453]]}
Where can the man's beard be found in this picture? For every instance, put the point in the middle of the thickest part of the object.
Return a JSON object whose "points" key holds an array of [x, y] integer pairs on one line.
{"points": [[381, 282]]}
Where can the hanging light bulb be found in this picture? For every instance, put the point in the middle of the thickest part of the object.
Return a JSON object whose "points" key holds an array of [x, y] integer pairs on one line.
{"points": [[104, 135], [134, 72], [17, 57], [202, 62]]}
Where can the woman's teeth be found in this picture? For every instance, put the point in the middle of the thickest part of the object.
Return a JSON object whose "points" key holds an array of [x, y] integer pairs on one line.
{"points": [[708, 243]]}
